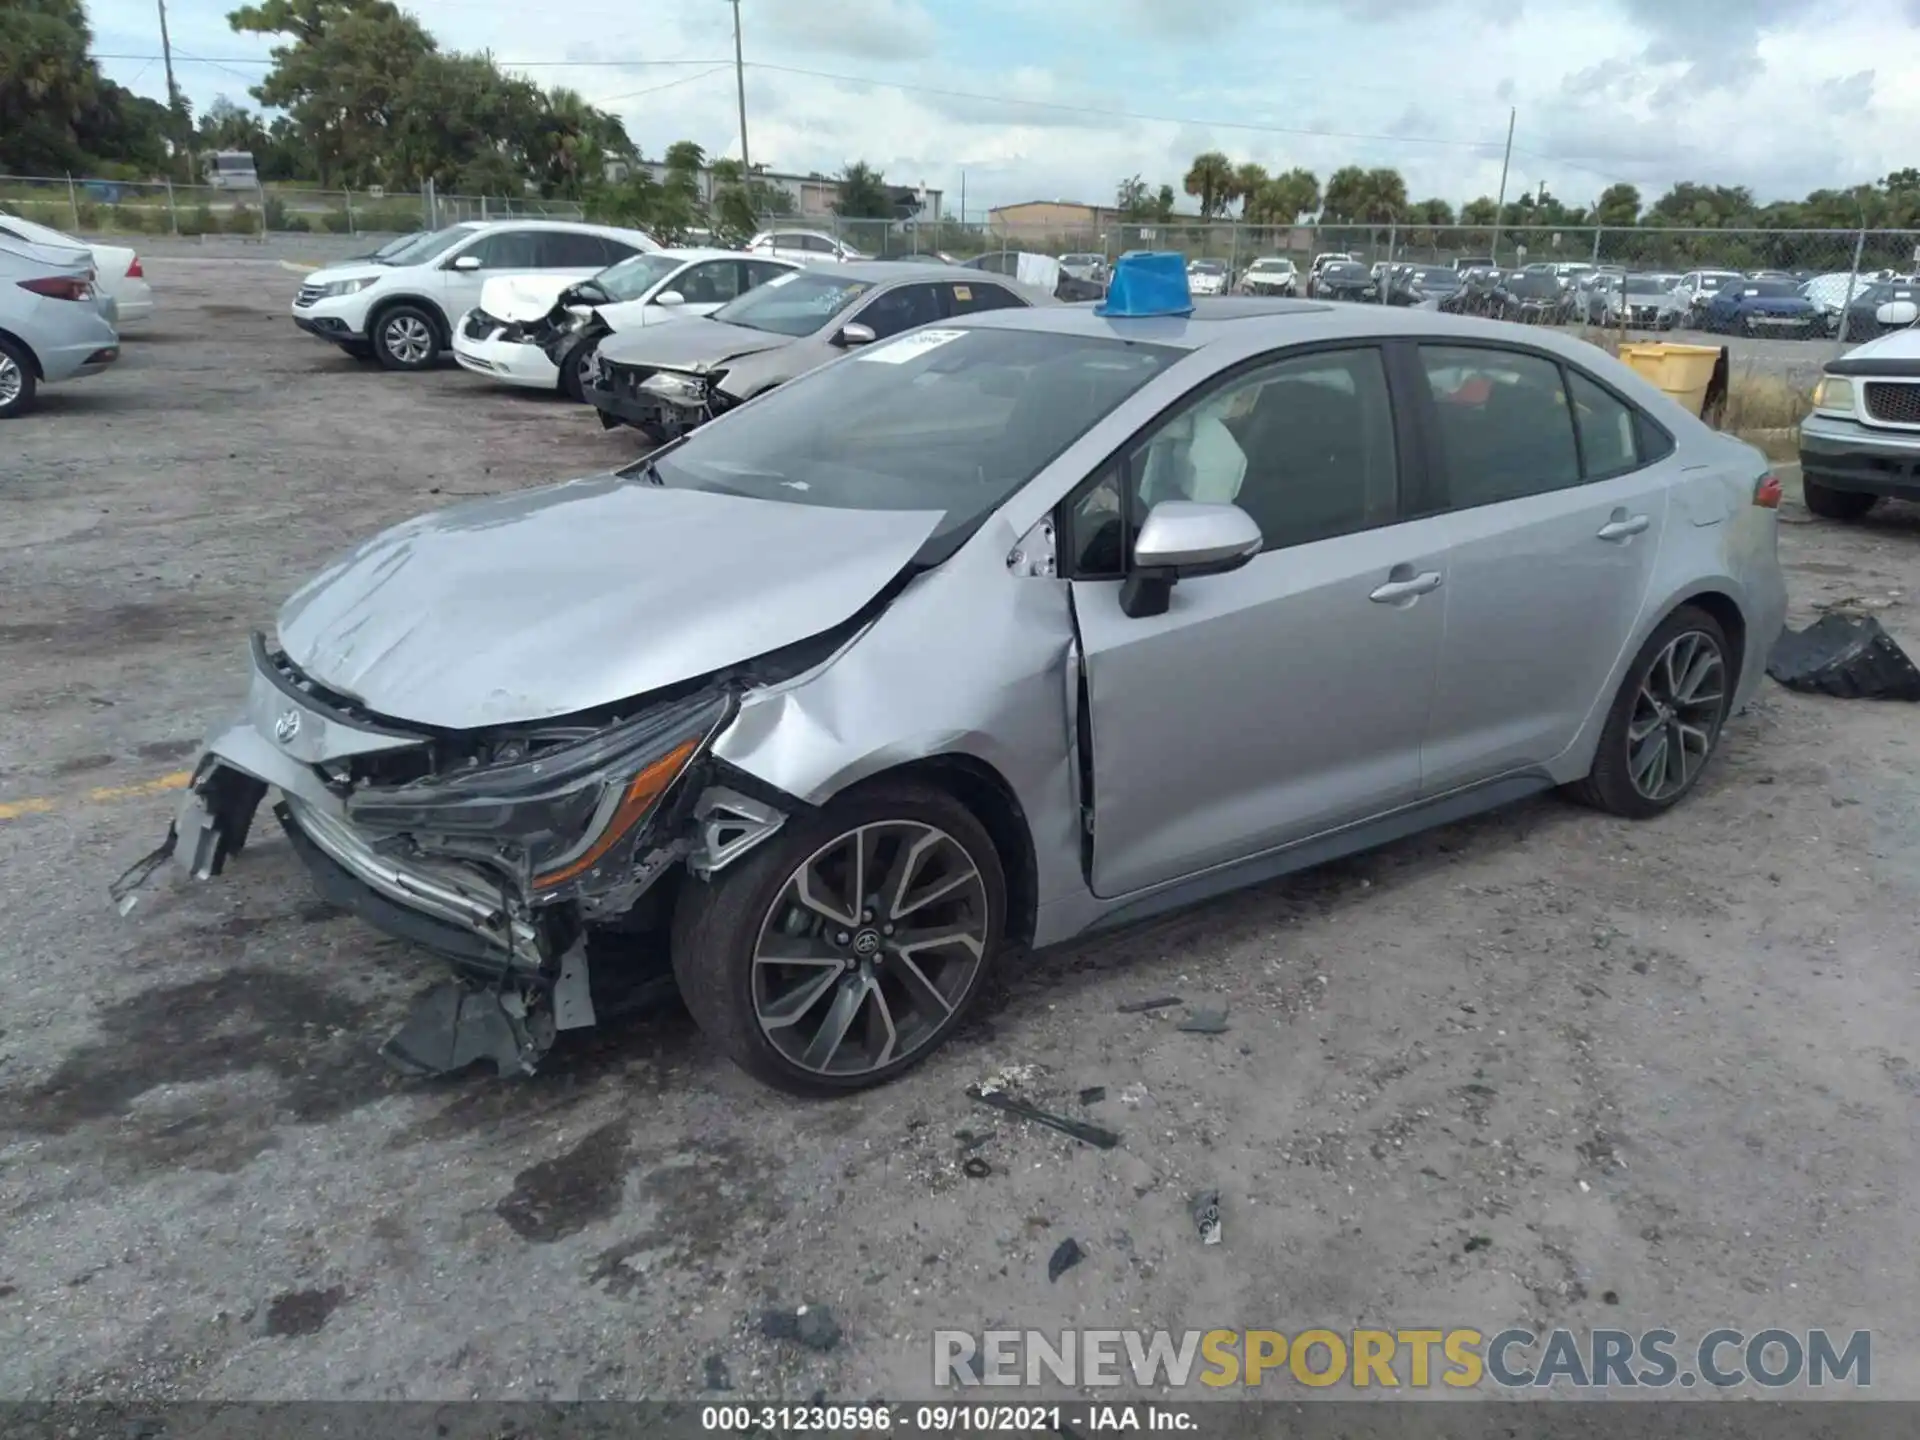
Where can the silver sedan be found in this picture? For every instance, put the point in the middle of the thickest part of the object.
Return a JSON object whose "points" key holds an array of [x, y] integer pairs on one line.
{"points": [[980, 638]]}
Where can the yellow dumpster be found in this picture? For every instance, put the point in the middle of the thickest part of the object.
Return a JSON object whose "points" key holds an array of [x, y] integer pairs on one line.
{"points": [[1683, 371]]}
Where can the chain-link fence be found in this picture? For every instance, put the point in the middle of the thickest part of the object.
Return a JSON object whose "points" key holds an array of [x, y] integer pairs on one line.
{"points": [[117, 207]]}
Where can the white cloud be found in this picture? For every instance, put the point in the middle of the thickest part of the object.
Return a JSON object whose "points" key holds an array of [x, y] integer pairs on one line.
{"points": [[1770, 94]]}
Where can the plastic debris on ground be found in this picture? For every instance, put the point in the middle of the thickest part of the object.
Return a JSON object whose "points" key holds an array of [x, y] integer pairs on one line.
{"points": [[1065, 1256], [1205, 1020], [1088, 1134], [1850, 657], [1206, 1216], [811, 1325], [1140, 1007], [1007, 1077], [1093, 1094]]}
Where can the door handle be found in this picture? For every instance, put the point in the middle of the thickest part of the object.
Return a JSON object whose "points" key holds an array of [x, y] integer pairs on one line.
{"points": [[1414, 585], [1623, 525]]}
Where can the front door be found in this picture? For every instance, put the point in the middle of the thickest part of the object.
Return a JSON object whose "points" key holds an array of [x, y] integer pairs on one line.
{"points": [[1285, 698], [1556, 516]]}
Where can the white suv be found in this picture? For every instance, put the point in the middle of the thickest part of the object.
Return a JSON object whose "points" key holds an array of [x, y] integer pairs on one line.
{"points": [[803, 247], [400, 308]]}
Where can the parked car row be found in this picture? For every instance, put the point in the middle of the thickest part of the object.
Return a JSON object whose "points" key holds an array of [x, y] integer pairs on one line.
{"points": [[63, 304]]}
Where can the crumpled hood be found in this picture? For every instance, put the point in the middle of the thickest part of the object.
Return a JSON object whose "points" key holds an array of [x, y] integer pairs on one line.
{"points": [[549, 602], [694, 346], [522, 297]]}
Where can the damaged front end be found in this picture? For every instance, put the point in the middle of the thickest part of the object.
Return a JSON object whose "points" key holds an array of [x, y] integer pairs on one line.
{"points": [[498, 849], [662, 403]]}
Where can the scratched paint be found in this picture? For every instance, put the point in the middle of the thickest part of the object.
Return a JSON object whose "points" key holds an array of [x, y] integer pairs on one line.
{"points": [[99, 795]]}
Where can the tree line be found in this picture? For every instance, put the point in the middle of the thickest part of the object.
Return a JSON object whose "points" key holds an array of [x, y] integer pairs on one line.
{"points": [[1354, 195]]}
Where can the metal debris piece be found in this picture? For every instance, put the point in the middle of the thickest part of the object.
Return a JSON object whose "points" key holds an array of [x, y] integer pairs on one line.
{"points": [[572, 995], [1206, 1216], [455, 1024], [1478, 1242], [974, 1168], [1066, 1255], [1093, 1094], [717, 1377], [1205, 1020], [1079, 1129], [1140, 1007], [1850, 657]]}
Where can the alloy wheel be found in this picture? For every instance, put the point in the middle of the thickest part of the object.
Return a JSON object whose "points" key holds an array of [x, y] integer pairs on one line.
{"points": [[12, 379], [408, 339], [1676, 715], [869, 948]]}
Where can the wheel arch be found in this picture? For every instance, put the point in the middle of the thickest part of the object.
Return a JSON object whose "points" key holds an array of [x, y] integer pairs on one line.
{"points": [[33, 359], [992, 801], [420, 302]]}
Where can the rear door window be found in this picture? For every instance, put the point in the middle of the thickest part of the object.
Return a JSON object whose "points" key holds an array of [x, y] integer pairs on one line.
{"points": [[901, 308], [978, 295], [1505, 429], [570, 250]]}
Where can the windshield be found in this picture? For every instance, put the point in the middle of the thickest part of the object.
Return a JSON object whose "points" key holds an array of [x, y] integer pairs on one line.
{"points": [[1273, 265], [1534, 285], [1432, 279], [1648, 285], [946, 420], [425, 247], [396, 245], [1081, 259], [795, 304], [234, 164], [1208, 267], [636, 275], [1714, 282], [1346, 272], [1768, 289]]}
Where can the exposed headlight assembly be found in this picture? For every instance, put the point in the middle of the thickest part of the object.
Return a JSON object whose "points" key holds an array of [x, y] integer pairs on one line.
{"points": [[680, 389], [333, 289], [561, 812]]}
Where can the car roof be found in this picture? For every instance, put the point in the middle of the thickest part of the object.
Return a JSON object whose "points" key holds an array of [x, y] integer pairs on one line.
{"points": [[1237, 318], [893, 272], [575, 226], [709, 252]]}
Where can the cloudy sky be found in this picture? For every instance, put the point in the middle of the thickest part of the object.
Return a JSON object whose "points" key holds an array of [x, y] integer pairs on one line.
{"points": [[1060, 99]]}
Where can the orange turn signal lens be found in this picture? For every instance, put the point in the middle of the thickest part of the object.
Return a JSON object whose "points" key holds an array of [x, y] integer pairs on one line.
{"points": [[644, 789]]}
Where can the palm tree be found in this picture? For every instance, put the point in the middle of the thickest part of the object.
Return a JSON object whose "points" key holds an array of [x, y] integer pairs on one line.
{"points": [[1210, 181], [1248, 181]]}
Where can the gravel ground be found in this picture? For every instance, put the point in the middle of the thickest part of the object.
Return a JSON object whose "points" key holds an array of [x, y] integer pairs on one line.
{"points": [[1658, 1075]]}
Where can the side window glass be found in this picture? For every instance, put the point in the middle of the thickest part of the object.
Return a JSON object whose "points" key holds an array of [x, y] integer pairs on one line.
{"points": [[1305, 447], [759, 272], [901, 309], [616, 250], [1094, 543], [1606, 429], [1505, 430], [972, 298], [713, 283], [818, 244], [564, 250], [508, 250]]}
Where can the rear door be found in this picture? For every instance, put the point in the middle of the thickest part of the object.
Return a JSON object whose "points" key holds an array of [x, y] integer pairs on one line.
{"points": [[499, 252], [1557, 501], [1288, 697]]}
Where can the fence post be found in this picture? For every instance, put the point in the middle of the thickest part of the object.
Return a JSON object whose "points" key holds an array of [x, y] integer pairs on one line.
{"points": [[1853, 281], [1597, 232], [260, 188], [1386, 275], [173, 215], [483, 208], [73, 200], [346, 195]]}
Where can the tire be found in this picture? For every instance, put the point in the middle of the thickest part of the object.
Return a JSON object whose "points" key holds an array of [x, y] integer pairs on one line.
{"points": [[406, 337], [18, 382], [571, 362], [718, 929], [1831, 504], [1611, 784]]}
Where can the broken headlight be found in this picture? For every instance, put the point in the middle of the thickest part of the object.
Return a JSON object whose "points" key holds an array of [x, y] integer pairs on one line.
{"points": [[680, 389], [561, 811]]}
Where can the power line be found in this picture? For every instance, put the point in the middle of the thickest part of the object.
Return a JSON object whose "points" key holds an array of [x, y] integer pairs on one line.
{"points": [[656, 89], [268, 62]]}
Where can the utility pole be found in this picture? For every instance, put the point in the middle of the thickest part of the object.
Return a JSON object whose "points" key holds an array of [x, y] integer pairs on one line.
{"points": [[1500, 205], [740, 89], [174, 110]]}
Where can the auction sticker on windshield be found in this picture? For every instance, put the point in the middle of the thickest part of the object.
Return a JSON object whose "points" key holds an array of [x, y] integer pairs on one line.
{"points": [[910, 347]]}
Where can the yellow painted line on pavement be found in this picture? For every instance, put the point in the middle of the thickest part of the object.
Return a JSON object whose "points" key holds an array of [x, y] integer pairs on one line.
{"points": [[100, 795]]}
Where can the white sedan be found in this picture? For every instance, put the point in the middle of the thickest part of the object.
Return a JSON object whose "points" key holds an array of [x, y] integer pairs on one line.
{"points": [[512, 336], [117, 270]]}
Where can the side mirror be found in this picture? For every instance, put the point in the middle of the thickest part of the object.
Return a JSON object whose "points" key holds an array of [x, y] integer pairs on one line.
{"points": [[1182, 540], [1898, 312], [854, 334], [669, 298], [466, 262]]}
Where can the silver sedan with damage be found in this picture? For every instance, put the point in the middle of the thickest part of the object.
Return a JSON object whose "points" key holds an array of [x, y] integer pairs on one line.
{"points": [[984, 637]]}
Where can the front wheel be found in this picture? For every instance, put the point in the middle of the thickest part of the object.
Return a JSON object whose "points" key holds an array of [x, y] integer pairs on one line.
{"points": [[1665, 721], [849, 947], [1831, 504], [576, 365], [406, 338], [17, 380]]}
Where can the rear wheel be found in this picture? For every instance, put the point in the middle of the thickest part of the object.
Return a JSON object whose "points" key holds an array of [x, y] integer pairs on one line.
{"points": [[406, 337], [17, 380], [848, 947], [1832, 504], [1665, 721]]}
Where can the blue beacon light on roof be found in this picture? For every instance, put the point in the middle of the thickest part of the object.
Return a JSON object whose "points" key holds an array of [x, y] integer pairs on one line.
{"points": [[1147, 283]]}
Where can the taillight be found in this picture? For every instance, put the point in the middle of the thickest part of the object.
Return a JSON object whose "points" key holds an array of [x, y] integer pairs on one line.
{"points": [[134, 272], [59, 288], [1766, 494]]}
